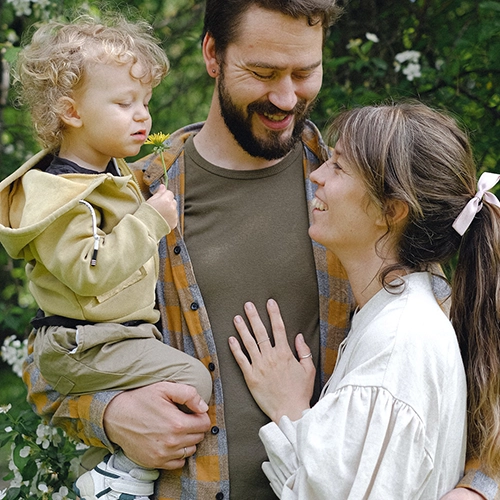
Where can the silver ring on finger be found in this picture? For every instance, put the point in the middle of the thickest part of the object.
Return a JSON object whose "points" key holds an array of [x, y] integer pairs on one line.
{"points": [[184, 454], [306, 356], [265, 340]]}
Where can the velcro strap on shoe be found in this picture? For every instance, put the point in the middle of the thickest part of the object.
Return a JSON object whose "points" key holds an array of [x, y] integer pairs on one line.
{"points": [[137, 488]]}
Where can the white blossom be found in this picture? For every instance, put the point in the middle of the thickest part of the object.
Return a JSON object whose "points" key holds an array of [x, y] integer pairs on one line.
{"points": [[439, 64], [24, 452], [21, 7], [411, 59], [412, 71], [12, 36], [3, 493], [17, 480], [14, 353], [372, 37], [43, 487], [46, 435], [6, 408], [408, 55], [62, 494]]}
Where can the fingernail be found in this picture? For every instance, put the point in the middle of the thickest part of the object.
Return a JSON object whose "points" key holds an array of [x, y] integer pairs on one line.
{"points": [[271, 302], [203, 406], [249, 305], [238, 319]]}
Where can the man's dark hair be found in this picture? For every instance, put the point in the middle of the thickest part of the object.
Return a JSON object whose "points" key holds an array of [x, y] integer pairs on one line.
{"points": [[223, 17]]}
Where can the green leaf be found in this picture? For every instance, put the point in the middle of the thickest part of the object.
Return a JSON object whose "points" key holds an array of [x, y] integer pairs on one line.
{"points": [[30, 470], [20, 462], [13, 494], [490, 5], [10, 54]]}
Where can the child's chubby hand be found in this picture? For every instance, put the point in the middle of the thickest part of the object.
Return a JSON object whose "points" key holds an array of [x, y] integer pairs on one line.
{"points": [[164, 202]]}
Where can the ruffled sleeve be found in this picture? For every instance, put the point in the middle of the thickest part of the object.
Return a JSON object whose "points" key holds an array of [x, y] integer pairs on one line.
{"points": [[357, 442]]}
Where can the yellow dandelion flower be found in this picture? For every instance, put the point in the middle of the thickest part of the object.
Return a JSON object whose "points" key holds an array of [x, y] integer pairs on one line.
{"points": [[158, 141]]}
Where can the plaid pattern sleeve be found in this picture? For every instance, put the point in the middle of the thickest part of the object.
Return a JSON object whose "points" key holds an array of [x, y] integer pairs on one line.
{"points": [[476, 480]]}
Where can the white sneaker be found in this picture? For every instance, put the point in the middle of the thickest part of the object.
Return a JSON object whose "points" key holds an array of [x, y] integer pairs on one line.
{"points": [[104, 482]]}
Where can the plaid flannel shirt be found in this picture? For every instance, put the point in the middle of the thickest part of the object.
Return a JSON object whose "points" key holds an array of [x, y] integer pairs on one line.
{"points": [[186, 326]]}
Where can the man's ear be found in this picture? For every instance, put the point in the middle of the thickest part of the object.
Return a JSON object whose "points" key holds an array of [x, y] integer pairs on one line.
{"points": [[68, 112], [209, 55]]}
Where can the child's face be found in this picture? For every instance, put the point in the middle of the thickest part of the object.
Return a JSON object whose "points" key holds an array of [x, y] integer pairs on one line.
{"points": [[113, 111]]}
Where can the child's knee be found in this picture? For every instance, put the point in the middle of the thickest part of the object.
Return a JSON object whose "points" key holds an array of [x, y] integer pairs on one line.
{"points": [[203, 380]]}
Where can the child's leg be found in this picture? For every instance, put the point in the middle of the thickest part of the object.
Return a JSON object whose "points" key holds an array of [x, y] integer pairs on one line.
{"points": [[116, 477], [110, 356]]}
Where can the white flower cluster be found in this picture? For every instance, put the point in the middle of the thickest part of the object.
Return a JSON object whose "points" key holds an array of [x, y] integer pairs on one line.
{"points": [[14, 353], [23, 7], [412, 67], [36, 485], [46, 435]]}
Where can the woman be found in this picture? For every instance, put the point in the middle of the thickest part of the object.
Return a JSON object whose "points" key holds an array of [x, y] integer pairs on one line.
{"points": [[391, 421]]}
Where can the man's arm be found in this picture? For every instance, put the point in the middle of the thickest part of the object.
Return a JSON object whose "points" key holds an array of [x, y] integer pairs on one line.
{"points": [[475, 485], [462, 494], [148, 425]]}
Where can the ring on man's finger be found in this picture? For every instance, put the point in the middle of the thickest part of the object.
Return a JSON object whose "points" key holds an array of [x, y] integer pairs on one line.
{"points": [[265, 340], [184, 454], [306, 356]]}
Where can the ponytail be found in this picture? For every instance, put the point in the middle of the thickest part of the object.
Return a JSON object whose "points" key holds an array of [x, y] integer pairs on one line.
{"points": [[475, 315]]}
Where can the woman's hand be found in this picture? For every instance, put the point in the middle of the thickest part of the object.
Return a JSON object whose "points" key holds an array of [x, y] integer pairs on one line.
{"points": [[279, 383]]}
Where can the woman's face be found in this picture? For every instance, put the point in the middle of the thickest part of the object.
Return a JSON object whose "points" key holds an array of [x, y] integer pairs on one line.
{"points": [[344, 219]]}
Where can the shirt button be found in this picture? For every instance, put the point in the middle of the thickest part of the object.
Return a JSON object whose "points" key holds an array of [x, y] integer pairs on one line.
{"points": [[194, 306], [214, 430], [211, 366], [219, 496], [177, 250]]}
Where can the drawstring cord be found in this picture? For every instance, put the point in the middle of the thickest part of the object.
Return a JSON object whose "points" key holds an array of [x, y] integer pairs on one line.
{"points": [[93, 260]]}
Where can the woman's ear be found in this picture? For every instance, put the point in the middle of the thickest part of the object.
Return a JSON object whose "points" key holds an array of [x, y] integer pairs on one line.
{"points": [[68, 112], [396, 211]]}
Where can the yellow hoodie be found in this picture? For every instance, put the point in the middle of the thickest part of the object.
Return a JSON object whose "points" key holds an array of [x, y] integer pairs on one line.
{"points": [[47, 220]]}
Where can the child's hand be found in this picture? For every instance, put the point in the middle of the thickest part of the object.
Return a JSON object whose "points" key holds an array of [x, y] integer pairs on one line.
{"points": [[164, 202]]}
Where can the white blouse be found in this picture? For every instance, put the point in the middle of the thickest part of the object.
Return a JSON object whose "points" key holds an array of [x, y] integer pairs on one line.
{"points": [[391, 423]]}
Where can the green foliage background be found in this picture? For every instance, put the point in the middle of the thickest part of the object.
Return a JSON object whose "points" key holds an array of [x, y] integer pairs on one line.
{"points": [[457, 44]]}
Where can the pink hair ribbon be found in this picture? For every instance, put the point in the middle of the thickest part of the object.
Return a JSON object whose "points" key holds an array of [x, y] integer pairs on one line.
{"points": [[466, 216]]}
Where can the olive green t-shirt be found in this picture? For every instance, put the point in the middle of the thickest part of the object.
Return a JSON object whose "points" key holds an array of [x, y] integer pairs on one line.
{"points": [[246, 234]]}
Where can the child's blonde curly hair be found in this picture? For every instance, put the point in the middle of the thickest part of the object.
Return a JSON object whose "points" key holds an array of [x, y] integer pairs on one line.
{"points": [[54, 63]]}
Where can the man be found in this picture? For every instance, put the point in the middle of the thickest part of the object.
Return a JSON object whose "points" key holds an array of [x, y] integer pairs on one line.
{"points": [[242, 185]]}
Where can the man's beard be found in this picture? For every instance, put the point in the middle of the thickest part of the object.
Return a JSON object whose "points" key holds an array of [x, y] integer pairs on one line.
{"points": [[271, 147]]}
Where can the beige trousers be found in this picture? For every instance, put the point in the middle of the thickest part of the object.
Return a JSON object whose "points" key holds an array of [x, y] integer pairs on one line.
{"points": [[111, 356]]}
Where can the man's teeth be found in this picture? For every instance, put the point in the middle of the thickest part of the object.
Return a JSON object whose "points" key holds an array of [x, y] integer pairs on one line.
{"points": [[319, 205], [275, 118]]}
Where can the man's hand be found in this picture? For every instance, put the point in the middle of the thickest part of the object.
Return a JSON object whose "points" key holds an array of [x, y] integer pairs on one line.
{"points": [[151, 430], [462, 494]]}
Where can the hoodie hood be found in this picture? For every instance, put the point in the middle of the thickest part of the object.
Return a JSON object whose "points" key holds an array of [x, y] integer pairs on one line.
{"points": [[31, 199]]}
